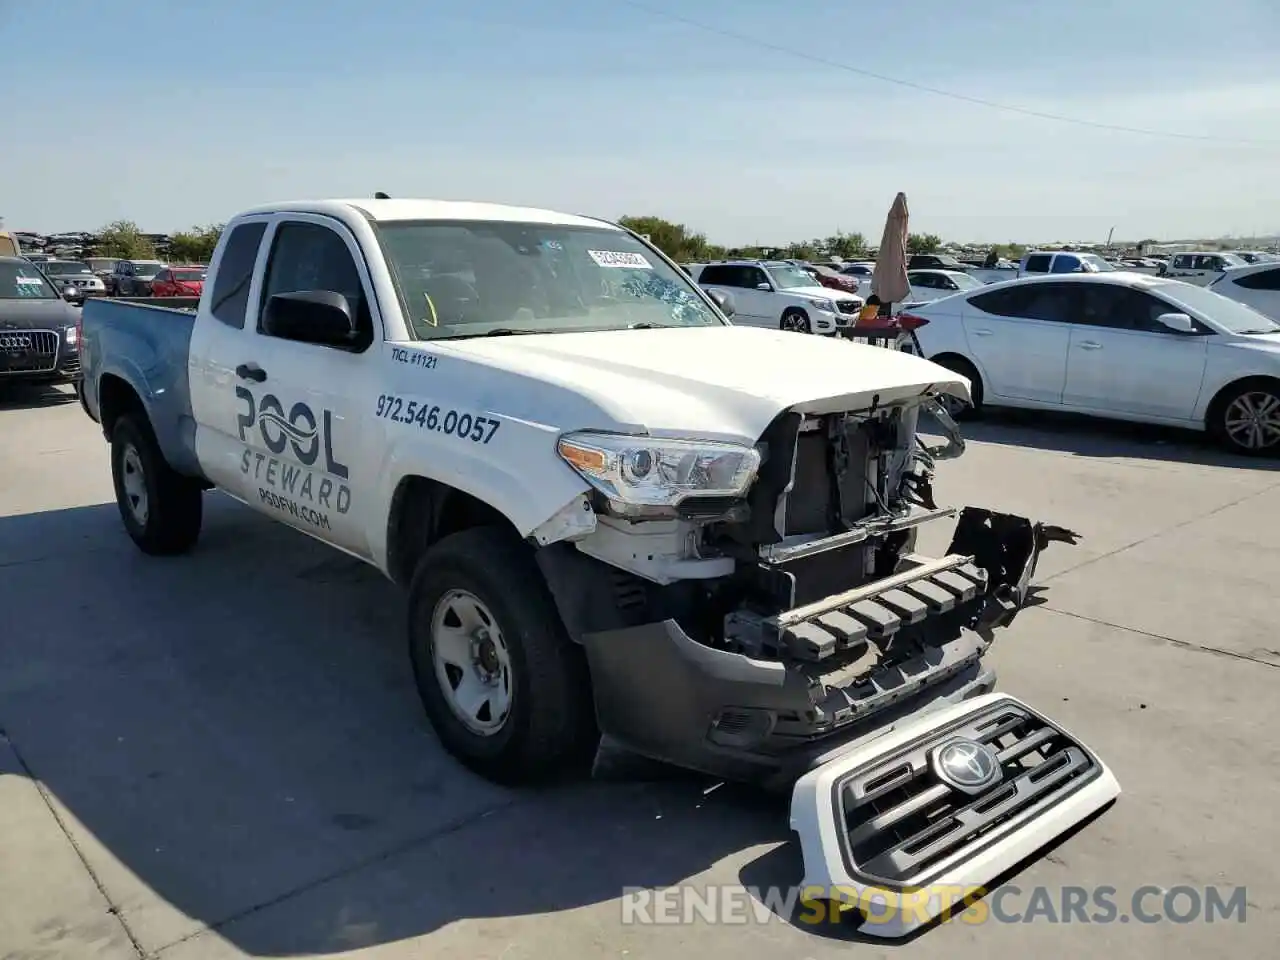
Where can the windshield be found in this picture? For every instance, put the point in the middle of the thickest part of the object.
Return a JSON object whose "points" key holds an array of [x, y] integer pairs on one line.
{"points": [[1229, 314], [791, 278], [146, 270], [22, 281], [188, 276], [472, 278], [1231, 260], [64, 268], [103, 265], [1099, 265], [966, 282]]}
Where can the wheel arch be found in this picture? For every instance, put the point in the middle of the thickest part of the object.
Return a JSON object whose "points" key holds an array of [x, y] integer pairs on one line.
{"points": [[424, 510], [116, 397], [1214, 407]]}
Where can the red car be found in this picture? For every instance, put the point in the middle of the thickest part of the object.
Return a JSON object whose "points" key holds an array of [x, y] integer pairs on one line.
{"points": [[834, 279], [179, 282]]}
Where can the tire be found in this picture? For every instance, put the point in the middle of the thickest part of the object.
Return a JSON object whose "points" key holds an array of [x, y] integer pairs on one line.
{"points": [[547, 726], [161, 509], [795, 320], [1246, 419], [958, 409]]}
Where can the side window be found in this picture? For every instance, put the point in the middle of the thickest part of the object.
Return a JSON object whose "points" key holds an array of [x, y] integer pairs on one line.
{"points": [[1050, 302], [1065, 264], [717, 275], [753, 277], [1181, 262], [1262, 280], [923, 280], [1037, 263], [308, 256], [1003, 303], [230, 294]]}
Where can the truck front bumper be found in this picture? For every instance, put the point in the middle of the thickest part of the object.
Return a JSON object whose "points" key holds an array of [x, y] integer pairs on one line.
{"points": [[661, 694]]}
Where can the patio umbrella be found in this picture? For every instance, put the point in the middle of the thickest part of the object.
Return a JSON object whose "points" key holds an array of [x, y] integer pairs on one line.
{"points": [[889, 280]]}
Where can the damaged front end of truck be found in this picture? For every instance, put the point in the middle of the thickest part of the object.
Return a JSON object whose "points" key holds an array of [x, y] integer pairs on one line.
{"points": [[750, 636], [778, 636]]}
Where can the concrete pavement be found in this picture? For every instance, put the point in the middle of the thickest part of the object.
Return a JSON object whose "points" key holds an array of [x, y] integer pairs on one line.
{"points": [[223, 755]]}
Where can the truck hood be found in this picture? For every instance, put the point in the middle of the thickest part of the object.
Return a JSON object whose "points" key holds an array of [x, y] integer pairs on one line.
{"points": [[707, 382], [35, 315]]}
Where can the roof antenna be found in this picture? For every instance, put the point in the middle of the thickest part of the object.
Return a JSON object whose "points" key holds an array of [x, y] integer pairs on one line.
{"points": [[381, 196]]}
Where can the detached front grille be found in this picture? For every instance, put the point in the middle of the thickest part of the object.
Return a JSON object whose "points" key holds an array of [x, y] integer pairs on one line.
{"points": [[904, 823], [28, 351]]}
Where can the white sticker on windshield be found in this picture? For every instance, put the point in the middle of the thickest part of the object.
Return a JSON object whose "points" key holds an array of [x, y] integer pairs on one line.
{"points": [[619, 258], [34, 281]]}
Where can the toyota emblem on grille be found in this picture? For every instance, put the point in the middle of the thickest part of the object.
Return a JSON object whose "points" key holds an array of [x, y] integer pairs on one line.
{"points": [[966, 765], [15, 341]]}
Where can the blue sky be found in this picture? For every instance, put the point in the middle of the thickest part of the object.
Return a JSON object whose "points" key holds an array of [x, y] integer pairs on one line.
{"points": [[184, 112]]}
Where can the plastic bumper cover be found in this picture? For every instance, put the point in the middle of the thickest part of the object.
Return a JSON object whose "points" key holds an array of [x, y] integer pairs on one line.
{"points": [[892, 830]]}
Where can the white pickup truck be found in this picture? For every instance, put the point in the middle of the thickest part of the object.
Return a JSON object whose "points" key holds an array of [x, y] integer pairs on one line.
{"points": [[616, 515]]}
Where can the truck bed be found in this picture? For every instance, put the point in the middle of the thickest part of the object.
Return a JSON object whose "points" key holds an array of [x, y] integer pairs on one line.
{"points": [[144, 344]]}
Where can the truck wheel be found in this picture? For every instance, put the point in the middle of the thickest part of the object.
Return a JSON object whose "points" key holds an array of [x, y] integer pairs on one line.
{"points": [[506, 690], [795, 320], [161, 509]]}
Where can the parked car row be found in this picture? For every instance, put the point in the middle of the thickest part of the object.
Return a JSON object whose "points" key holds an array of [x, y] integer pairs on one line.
{"points": [[79, 280], [1120, 345]]}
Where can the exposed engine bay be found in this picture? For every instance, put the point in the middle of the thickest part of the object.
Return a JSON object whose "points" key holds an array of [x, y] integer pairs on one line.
{"points": [[805, 596]]}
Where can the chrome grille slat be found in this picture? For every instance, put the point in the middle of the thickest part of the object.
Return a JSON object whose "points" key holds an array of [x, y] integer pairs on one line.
{"points": [[912, 823], [44, 344]]}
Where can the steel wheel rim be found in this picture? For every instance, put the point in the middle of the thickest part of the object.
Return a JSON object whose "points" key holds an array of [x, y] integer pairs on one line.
{"points": [[134, 482], [472, 662], [1252, 420]]}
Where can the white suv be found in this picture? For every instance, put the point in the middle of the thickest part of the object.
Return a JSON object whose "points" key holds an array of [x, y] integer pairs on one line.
{"points": [[778, 295]]}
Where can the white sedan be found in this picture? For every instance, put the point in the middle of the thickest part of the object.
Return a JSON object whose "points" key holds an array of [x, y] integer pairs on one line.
{"points": [[1119, 345], [1257, 285]]}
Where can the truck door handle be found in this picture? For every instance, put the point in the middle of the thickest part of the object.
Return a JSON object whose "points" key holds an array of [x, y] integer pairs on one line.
{"points": [[982, 333], [1090, 345], [251, 371]]}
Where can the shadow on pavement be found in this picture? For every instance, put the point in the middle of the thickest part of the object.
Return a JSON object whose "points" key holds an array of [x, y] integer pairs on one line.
{"points": [[1084, 436], [33, 396], [238, 729]]}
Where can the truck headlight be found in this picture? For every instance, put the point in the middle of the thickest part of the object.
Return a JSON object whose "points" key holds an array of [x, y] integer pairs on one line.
{"points": [[828, 305], [73, 335], [646, 471]]}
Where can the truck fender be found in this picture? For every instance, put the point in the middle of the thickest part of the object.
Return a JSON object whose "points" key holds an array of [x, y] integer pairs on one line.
{"points": [[531, 493], [174, 429]]}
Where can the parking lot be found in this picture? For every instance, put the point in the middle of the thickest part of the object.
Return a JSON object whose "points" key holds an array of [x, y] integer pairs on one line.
{"points": [[224, 755]]}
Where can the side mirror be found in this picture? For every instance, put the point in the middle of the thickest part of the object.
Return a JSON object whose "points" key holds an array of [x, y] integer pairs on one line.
{"points": [[764, 286], [70, 294], [724, 301], [311, 316], [1177, 322]]}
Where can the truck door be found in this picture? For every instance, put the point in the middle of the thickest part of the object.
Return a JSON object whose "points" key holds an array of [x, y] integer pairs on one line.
{"points": [[303, 456], [218, 342]]}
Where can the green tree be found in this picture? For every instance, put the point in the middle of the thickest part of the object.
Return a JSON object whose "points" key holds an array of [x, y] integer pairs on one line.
{"points": [[125, 240], [846, 246], [674, 239], [195, 245], [923, 242]]}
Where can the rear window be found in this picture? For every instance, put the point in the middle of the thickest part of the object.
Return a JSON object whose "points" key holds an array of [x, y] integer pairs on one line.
{"points": [[1037, 263]]}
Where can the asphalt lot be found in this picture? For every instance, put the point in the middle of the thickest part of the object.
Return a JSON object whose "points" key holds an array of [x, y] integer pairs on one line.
{"points": [[223, 755]]}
